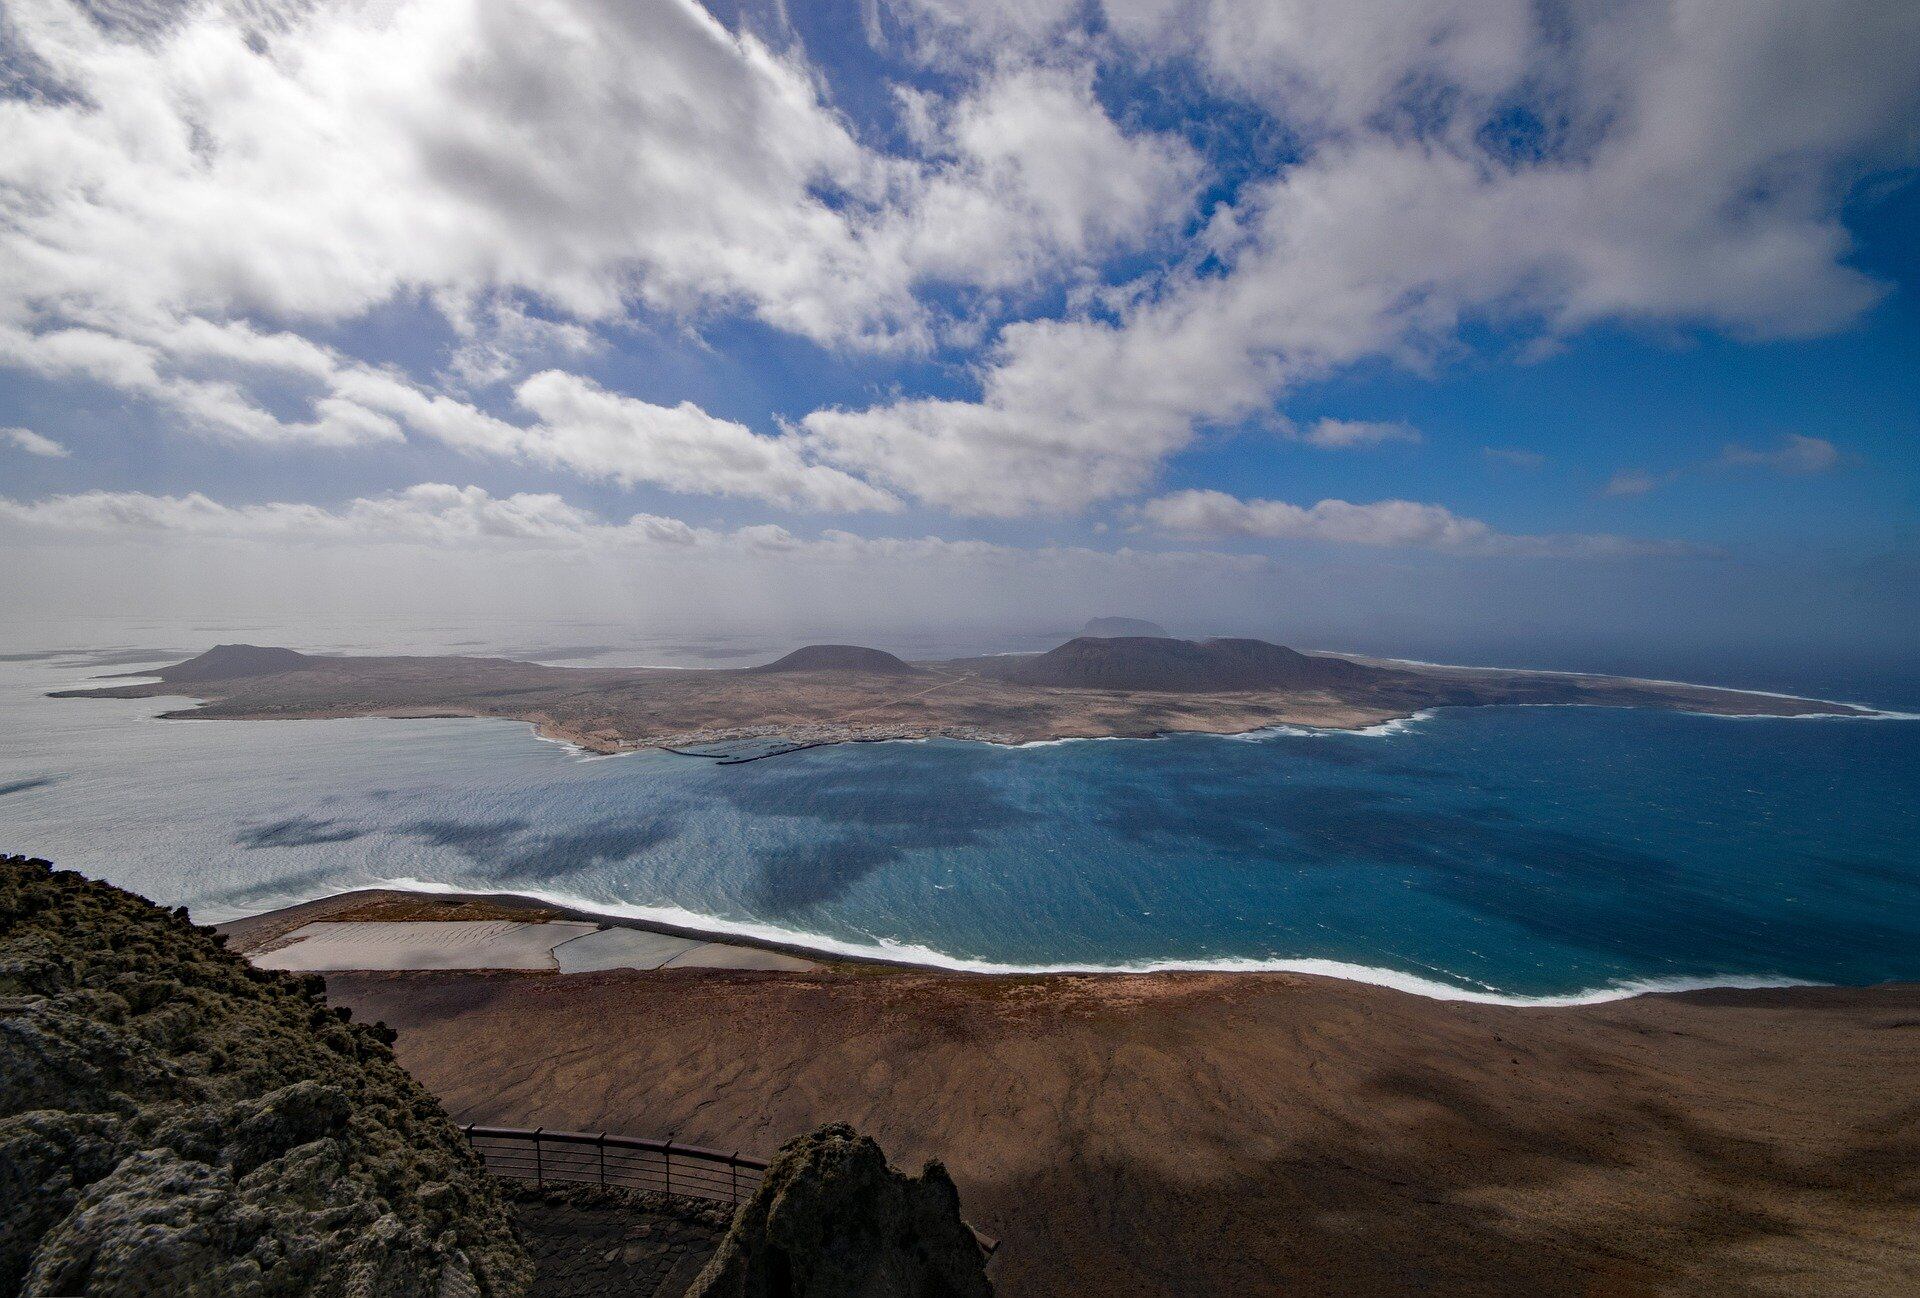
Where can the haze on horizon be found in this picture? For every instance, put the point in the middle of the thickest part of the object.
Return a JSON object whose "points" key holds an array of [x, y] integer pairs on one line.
{"points": [[1490, 328]]}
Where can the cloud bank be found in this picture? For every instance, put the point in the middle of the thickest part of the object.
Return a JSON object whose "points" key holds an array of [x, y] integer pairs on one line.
{"points": [[445, 239]]}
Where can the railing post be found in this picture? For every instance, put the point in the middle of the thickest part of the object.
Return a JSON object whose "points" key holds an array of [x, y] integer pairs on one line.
{"points": [[666, 1162], [733, 1177], [603, 1159], [539, 1169]]}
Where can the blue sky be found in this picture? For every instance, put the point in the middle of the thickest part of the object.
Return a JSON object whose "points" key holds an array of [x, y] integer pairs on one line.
{"points": [[1252, 316]]}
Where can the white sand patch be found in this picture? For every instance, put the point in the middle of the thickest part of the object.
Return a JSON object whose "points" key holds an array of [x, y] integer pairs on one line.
{"points": [[621, 948], [464, 944]]}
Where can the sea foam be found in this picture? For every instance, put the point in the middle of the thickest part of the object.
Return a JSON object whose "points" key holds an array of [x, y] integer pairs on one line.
{"points": [[913, 953]]}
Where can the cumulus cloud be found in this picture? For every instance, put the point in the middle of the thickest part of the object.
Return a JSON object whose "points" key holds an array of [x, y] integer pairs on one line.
{"points": [[595, 156], [197, 201], [25, 439], [1354, 434], [1517, 457], [441, 516], [188, 193], [1668, 161], [1385, 523], [1795, 453], [584, 428], [1031, 173]]}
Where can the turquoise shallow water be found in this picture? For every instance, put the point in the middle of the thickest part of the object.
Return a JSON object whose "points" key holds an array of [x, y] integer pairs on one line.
{"points": [[1525, 852]]}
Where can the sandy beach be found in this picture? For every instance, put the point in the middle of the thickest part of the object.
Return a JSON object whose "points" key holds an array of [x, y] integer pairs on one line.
{"points": [[1183, 1134], [1255, 1133]]}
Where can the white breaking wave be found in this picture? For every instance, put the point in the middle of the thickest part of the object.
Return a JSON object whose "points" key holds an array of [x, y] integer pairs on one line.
{"points": [[1872, 714], [578, 753], [1391, 726], [1868, 713], [914, 953]]}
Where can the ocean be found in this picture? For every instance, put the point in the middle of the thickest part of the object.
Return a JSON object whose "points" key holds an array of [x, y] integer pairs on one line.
{"points": [[1523, 854]]}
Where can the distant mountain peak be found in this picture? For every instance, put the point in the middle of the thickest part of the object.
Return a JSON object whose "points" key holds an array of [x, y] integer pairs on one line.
{"points": [[230, 661], [1108, 628], [840, 658], [1183, 666]]}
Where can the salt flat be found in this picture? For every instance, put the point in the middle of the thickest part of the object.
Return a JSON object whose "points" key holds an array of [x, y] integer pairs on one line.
{"points": [[551, 946], [457, 944]]}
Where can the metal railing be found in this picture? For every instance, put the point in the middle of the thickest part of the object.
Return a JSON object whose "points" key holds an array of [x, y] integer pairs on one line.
{"points": [[599, 1158]]}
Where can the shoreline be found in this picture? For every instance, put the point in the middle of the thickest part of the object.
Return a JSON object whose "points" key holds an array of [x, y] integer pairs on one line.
{"points": [[915, 958], [546, 732]]}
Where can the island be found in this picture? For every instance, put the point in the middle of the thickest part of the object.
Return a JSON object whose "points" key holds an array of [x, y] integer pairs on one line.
{"points": [[1090, 687]]}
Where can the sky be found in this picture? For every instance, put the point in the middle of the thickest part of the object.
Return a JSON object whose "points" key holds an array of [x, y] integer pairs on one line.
{"points": [[1476, 327]]}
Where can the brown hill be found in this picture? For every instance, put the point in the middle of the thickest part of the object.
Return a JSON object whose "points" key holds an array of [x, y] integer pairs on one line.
{"points": [[229, 661], [1184, 666], [839, 658]]}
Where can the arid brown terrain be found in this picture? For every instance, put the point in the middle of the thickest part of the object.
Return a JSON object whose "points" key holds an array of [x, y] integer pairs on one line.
{"points": [[1196, 1134], [1088, 687]]}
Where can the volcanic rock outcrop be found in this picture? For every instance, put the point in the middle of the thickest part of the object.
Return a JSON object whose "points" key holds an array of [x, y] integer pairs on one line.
{"points": [[173, 1120], [832, 1220]]}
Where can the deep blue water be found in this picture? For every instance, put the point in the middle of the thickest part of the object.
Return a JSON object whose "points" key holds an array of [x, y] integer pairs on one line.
{"points": [[1526, 851]]}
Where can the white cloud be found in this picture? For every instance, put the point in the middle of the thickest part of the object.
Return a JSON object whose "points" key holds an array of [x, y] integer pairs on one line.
{"points": [[193, 199], [1385, 523], [1517, 457], [584, 152], [1354, 434], [1337, 67], [430, 512], [25, 439], [195, 190], [1681, 167], [1033, 175], [595, 156], [1795, 453], [443, 516], [599, 434], [1635, 482]]}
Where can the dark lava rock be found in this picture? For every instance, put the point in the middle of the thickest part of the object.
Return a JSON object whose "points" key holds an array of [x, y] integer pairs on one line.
{"points": [[1188, 666], [173, 1120], [840, 658], [832, 1220], [225, 662]]}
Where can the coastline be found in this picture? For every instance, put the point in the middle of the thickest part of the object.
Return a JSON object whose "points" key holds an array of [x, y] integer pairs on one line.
{"points": [[586, 748], [829, 709], [1859, 712], [915, 958]]}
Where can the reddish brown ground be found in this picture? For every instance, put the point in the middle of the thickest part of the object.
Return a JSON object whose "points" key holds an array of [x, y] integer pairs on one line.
{"points": [[1212, 1134]]}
